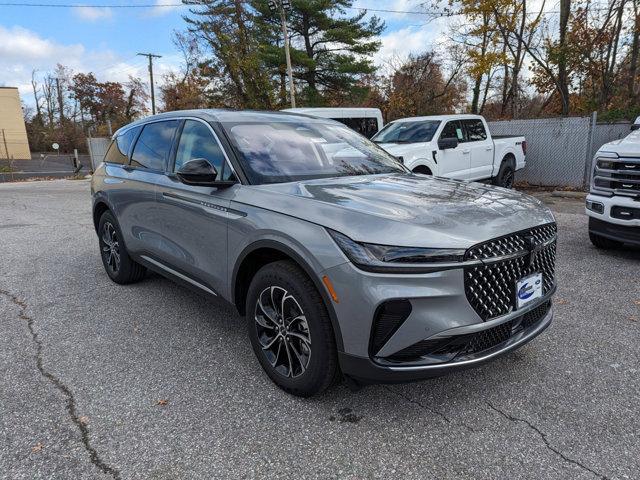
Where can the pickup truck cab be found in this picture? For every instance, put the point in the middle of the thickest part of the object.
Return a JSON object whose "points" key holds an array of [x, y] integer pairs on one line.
{"points": [[454, 146], [613, 203]]}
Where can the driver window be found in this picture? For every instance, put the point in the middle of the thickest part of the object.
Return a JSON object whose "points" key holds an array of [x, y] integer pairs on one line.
{"points": [[453, 130], [197, 141]]}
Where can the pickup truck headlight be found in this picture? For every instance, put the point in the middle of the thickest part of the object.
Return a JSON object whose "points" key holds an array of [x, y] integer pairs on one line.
{"points": [[390, 259]]}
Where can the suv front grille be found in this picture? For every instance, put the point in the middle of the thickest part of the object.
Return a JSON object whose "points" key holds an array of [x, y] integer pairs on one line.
{"points": [[620, 176], [472, 343], [490, 287]]}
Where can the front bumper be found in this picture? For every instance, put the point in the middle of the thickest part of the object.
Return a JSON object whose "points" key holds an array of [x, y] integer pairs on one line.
{"points": [[606, 224], [365, 370]]}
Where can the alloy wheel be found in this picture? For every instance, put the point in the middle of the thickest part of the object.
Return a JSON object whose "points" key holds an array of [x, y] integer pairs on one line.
{"points": [[283, 331], [110, 247]]}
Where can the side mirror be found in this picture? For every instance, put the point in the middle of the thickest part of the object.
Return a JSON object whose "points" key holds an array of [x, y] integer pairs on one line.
{"points": [[447, 143], [635, 126], [199, 172]]}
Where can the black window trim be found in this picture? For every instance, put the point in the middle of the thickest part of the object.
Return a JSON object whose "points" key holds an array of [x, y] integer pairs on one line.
{"points": [[134, 143], [176, 140]]}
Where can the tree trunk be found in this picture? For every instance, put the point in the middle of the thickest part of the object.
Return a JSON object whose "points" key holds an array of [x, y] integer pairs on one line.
{"points": [[563, 81], [635, 51]]}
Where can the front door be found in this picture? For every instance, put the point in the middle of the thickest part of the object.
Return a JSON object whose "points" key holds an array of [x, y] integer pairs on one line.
{"points": [[194, 219], [454, 162], [481, 149]]}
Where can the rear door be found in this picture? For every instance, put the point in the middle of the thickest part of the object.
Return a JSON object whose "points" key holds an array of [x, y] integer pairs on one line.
{"points": [[193, 219], [481, 149], [138, 218], [454, 162]]}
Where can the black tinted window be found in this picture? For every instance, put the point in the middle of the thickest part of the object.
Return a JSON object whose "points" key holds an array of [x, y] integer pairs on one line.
{"points": [[153, 145], [453, 130], [197, 141], [119, 148], [364, 126], [475, 130]]}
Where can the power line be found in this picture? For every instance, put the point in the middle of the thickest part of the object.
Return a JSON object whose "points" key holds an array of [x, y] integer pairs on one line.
{"points": [[441, 13]]}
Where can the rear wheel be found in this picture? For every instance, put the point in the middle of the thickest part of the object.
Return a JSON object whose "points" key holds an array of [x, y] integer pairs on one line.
{"points": [[117, 262], [290, 330], [506, 175]]}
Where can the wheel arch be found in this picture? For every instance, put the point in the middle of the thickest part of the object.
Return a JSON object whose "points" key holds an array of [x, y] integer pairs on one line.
{"points": [[263, 252], [99, 207]]}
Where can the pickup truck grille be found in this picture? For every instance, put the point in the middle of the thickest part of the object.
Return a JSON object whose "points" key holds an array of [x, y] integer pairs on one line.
{"points": [[490, 287], [620, 176]]}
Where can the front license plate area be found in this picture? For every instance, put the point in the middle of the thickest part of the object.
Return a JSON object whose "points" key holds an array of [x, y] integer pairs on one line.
{"points": [[528, 289]]}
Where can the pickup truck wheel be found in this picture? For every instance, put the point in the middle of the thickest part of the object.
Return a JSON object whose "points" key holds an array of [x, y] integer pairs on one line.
{"points": [[603, 242], [506, 175], [290, 330]]}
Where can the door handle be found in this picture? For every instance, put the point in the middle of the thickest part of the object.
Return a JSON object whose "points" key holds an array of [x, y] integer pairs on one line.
{"points": [[466, 151], [488, 149]]}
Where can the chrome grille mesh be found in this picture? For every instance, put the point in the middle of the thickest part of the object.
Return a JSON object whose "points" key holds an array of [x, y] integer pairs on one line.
{"points": [[490, 288]]}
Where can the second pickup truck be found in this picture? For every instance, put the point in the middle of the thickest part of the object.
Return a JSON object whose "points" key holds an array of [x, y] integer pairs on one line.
{"points": [[454, 146]]}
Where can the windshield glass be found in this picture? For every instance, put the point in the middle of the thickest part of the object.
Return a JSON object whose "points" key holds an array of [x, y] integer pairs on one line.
{"points": [[276, 152], [407, 132]]}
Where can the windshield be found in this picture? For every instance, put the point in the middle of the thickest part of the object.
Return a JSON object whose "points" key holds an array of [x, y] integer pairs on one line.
{"points": [[407, 132], [276, 152]]}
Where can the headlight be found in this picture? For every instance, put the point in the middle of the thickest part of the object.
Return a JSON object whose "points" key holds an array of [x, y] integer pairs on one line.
{"points": [[390, 259]]}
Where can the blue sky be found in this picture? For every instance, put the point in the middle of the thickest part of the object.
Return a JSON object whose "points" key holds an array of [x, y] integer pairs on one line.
{"points": [[106, 40]]}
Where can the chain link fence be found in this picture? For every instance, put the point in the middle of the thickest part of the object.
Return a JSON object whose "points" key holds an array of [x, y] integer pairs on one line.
{"points": [[97, 149], [560, 150]]}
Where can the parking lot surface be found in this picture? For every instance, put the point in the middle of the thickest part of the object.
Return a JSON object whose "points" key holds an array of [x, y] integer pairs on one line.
{"points": [[153, 381]]}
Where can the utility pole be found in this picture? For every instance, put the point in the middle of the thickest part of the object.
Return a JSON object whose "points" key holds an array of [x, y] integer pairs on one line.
{"points": [[151, 56], [60, 102], [283, 5]]}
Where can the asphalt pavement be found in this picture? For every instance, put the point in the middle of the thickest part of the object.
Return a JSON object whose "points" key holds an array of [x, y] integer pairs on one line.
{"points": [[151, 381]]}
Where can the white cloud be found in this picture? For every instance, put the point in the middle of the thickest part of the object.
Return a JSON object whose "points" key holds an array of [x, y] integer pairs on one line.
{"points": [[413, 39], [93, 13], [22, 51]]}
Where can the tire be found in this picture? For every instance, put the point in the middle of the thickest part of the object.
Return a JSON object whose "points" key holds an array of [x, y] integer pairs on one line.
{"points": [[297, 350], [423, 170], [115, 259], [506, 174], [604, 243]]}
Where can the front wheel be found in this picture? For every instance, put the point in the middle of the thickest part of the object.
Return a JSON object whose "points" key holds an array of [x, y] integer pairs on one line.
{"points": [[290, 330]]}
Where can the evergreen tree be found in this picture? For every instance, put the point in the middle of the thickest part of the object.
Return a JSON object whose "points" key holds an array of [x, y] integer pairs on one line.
{"points": [[235, 68], [331, 51]]}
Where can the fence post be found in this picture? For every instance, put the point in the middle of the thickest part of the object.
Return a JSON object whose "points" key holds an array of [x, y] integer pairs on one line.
{"points": [[589, 160]]}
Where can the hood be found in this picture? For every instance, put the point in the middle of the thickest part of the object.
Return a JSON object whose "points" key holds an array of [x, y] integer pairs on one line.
{"points": [[404, 149], [404, 209], [629, 146]]}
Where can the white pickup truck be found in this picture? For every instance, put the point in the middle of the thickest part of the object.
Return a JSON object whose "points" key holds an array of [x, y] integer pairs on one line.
{"points": [[454, 146], [613, 203]]}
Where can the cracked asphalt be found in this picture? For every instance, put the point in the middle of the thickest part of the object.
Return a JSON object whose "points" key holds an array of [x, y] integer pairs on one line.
{"points": [[152, 381]]}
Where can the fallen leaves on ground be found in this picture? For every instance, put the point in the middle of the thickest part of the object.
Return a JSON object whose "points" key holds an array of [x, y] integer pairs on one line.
{"points": [[37, 447], [162, 402]]}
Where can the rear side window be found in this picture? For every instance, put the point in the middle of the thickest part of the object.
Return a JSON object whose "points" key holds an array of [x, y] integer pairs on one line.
{"points": [[475, 130], [119, 148], [154, 144], [453, 130]]}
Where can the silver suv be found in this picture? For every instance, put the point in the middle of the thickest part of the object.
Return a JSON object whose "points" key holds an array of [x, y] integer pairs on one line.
{"points": [[343, 261]]}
